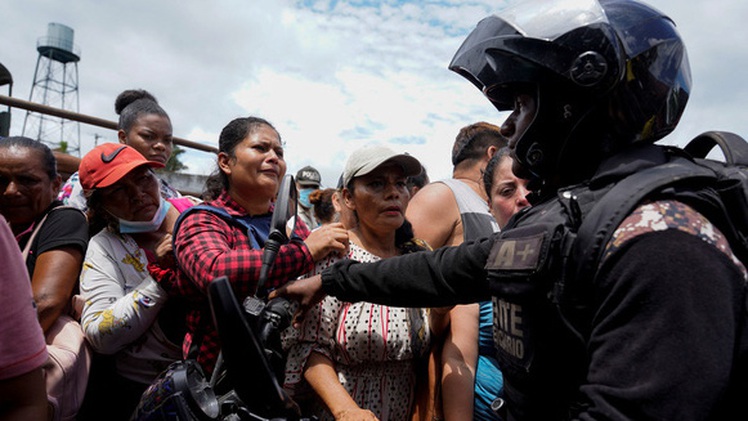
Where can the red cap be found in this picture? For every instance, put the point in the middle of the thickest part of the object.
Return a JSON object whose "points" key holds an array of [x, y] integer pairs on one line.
{"points": [[106, 164]]}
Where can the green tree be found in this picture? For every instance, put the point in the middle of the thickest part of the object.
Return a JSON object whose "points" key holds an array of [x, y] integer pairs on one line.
{"points": [[174, 164]]}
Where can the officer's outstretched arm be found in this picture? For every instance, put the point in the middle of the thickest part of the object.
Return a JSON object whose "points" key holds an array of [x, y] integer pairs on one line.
{"points": [[445, 277]]}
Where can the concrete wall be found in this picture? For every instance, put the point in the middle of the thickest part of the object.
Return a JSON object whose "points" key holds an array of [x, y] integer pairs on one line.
{"points": [[66, 164], [191, 184]]}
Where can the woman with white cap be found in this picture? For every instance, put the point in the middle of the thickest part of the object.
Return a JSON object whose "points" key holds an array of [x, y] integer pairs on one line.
{"points": [[359, 358]]}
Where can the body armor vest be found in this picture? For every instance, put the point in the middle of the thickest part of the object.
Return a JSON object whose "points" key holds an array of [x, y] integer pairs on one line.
{"points": [[541, 272]]}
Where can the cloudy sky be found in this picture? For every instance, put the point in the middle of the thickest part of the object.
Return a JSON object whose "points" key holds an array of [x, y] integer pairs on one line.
{"points": [[330, 75]]}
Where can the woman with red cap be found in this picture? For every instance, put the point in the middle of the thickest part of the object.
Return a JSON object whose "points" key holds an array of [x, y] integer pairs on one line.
{"points": [[128, 277]]}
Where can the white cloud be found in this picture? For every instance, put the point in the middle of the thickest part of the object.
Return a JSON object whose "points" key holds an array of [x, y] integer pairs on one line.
{"points": [[330, 75]]}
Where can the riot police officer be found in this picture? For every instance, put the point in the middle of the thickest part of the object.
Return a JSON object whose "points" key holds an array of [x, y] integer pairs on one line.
{"points": [[651, 327]]}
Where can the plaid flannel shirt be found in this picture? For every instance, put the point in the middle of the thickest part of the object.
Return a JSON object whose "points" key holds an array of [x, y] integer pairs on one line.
{"points": [[208, 247]]}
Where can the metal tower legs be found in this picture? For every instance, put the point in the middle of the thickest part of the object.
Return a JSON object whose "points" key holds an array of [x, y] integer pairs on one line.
{"points": [[55, 85]]}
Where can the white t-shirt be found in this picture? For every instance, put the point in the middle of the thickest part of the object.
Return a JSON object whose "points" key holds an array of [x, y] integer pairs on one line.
{"points": [[122, 304]]}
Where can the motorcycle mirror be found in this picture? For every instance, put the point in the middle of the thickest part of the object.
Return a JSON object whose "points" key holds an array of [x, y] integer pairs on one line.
{"points": [[284, 214]]}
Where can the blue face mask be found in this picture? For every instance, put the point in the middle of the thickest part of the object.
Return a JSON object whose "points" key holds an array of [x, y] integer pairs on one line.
{"points": [[304, 197], [135, 227]]}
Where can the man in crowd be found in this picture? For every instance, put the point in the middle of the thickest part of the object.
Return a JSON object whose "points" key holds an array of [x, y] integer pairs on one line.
{"points": [[307, 181], [446, 213]]}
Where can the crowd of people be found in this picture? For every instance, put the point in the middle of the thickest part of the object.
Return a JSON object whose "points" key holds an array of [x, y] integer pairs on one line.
{"points": [[451, 299], [127, 260], [106, 253]]}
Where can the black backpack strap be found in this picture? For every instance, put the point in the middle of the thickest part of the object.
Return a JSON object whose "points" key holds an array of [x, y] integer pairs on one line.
{"points": [[609, 212], [734, 187], [733, 147], [572, 291], [220, 212], [204, 207]]}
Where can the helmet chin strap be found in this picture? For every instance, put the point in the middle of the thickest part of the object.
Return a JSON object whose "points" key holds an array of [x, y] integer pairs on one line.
{"points": [[535, 148], [534, 183], [564, 138], [520, 170]]}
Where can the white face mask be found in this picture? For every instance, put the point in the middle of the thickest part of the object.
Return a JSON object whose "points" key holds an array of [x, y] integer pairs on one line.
{"points": [[134, 227]]}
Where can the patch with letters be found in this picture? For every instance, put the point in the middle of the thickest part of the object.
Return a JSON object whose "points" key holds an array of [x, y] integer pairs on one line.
{"points": [[516, 253]]}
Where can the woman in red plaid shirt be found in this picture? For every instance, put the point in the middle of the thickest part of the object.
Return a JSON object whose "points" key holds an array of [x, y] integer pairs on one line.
{"points": [[250, 169]]}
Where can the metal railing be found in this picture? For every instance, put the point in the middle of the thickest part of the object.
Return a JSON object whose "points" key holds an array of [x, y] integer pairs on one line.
{"points": [[87, 119]]}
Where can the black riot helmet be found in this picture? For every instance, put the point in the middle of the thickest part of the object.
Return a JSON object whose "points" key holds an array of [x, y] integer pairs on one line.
{"points": [[604, 73]]}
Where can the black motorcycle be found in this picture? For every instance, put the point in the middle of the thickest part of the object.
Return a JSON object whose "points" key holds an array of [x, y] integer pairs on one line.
{"points": [[245, 383]]}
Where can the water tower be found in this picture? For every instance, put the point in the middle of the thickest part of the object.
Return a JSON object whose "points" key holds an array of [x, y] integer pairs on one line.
{"points": [[56, 85]]}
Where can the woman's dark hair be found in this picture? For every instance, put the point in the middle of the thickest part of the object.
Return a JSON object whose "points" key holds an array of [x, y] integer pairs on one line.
{"points": [[406, 241], [232, 135], [321, 200], [98, 218], [403, 234], [492, 167], [133, 103], [419, 180], [49, 162]]}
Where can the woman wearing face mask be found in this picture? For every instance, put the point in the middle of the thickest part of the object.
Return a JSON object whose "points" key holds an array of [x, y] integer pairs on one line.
{"points": [[145, 126], [128, 277]]}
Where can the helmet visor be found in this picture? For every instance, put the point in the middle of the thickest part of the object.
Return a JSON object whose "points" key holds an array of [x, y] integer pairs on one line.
{"points": [[519, 44], [547, 20]]}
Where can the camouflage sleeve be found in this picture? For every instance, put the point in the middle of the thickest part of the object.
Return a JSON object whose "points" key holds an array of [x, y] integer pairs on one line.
{"points": [[664, 215]]}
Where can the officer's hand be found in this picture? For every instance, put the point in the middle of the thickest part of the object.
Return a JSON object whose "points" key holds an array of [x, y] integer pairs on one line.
{"points": [[307, 292]]}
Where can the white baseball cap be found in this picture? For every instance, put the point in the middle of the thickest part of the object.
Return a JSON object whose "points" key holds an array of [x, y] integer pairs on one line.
{"points": [[365, 160]]}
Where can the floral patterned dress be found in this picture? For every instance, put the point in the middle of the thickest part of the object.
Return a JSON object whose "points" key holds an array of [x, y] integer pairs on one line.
{"points": [[374, 348]]}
